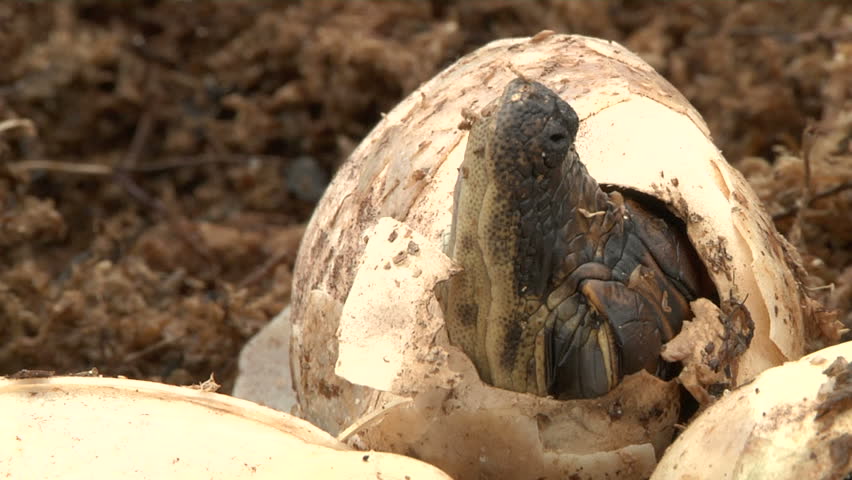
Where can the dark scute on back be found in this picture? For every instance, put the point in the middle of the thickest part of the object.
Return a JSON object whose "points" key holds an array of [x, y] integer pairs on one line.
{"points": [[577, 366]]}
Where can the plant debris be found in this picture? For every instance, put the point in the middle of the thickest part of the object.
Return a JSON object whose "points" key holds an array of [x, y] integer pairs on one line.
{"points": [[158, 160]]}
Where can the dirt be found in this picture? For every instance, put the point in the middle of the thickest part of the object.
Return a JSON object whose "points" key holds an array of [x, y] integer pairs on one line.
{"points": [[159, 160]]}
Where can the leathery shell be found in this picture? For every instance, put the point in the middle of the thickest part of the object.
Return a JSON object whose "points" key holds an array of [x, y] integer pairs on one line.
{"points": [[370, 357]]}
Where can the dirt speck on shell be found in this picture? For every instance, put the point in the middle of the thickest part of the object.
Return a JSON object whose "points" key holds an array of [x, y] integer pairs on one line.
{"points": [[158, 160]]}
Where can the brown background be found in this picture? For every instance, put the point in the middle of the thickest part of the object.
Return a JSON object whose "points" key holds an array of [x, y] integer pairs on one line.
{"points": [[159, 160]]}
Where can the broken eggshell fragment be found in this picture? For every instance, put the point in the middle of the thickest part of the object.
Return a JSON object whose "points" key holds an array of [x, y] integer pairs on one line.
{"points": [[370, 357]]}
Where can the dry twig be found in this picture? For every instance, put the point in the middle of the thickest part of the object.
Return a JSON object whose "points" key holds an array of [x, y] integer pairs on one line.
{"points": [[95, 169]]}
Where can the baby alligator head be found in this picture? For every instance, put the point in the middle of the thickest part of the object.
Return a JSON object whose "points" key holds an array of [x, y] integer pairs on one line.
{"points": [[564, 288]]}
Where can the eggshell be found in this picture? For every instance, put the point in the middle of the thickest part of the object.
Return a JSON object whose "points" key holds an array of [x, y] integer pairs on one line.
{"points": [[369, 353], [80, 427], [793, 421]]}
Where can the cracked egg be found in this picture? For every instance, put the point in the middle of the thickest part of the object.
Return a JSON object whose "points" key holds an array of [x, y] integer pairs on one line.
{"points": [[370, 355]]}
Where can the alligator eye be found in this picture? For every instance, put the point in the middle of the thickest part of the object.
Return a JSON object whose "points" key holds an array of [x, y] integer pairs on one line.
{"points": [[557, 137]]}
